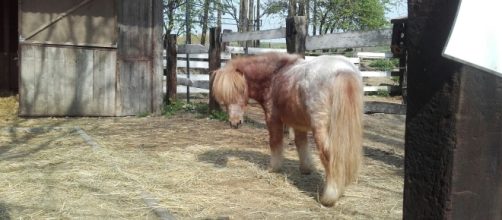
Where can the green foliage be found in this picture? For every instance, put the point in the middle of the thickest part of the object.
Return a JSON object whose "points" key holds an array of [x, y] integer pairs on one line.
{"points": [[173, 108], [201, 109], [385, 64], [219, 115], [143, 114]]}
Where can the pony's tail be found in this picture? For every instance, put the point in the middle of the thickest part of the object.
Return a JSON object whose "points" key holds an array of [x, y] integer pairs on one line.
{"points": [[344, 130]]}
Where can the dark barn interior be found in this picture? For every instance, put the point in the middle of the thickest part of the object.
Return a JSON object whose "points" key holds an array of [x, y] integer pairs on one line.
{"points": [[9, 73]]}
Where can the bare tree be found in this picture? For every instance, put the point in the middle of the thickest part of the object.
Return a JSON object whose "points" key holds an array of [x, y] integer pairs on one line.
{"points": [[204, 22]]}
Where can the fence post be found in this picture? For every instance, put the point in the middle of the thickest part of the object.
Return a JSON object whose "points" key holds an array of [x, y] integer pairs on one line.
{"points": [[453, 160], [214, 63], [296, 34], [224, 45], [398, 49], [171, 58]]}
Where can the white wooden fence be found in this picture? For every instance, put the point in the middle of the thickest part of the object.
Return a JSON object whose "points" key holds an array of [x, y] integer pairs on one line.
{"points": [[199, 82], [199, 56]]}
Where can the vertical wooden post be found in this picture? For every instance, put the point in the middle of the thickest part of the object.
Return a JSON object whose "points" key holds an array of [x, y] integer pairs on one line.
{"points": [[398, 49], [171, 58], [214, 63], [224, 45], [453, 160], [296, 34]]}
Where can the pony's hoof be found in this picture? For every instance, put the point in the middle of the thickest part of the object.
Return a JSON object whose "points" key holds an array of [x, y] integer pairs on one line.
{"points": [[306, 170], [329, 197], [327, 202], [274, 169]]}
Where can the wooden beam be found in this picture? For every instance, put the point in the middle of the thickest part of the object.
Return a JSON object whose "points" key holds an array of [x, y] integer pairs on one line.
{"points": [[254, 35], [214, 63], [350, 39], [453, 160], [296, 34], [191, 49], [371, 107], [171, 64]]}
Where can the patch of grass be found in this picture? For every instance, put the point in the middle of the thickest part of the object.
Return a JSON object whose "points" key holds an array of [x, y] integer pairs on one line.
{"points": [[143, 114], [385, 64], [173, 108], [380, 93], [201, 109], [218, 115]]}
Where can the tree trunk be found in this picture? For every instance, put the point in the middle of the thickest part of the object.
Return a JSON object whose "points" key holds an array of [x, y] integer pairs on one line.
{"points": [[257, 42], [314, 19], [204, 22], [292, 8], [218, 16]]}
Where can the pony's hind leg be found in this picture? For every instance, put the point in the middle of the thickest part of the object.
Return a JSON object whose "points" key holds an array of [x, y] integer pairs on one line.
{"points": [[306, 166], [332, 189], [276, 134]]}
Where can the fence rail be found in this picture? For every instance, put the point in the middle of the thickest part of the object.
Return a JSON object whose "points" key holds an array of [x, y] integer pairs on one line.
{"points": [[205, 59]]}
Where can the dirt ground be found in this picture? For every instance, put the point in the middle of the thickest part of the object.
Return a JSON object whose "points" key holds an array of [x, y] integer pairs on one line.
{"points": [[187, 165]]}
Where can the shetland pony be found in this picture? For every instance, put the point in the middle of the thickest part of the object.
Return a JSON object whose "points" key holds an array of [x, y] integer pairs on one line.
{"points": [[322, 95]]}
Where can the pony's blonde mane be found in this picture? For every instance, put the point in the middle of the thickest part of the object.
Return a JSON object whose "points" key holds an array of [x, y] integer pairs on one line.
{"points": [[229, 85]]}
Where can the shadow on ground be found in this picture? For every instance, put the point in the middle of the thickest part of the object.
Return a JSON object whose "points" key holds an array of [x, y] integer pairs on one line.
{"points": [[4, 212], [309, 184]]}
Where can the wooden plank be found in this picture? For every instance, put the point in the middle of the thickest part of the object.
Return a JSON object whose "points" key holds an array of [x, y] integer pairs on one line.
{"points": [[158, 46], [192, 49], [53, 84], [354, 60], [376, 88], [69, 82], [27, 84], [203, 84], [104, 81], [373, 55], [354, 39], [41, 77], [376, 73], [193, 64], [84, 71], [253, 50], [371, 107], [254, 35], [135, 32]]}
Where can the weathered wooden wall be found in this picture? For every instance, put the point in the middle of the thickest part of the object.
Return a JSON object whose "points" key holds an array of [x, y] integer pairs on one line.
{"points": [[67, 81], [139, 56], [90, 58]]}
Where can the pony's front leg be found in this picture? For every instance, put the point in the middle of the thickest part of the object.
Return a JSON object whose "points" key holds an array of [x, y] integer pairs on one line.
{"points": [[275, 129], [301, 142]]}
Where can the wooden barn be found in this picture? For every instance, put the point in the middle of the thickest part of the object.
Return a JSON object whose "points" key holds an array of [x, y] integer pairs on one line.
{"points": [[87, 57]]}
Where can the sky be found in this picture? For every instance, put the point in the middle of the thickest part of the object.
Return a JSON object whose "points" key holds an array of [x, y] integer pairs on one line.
{"points": [[400, 10]]}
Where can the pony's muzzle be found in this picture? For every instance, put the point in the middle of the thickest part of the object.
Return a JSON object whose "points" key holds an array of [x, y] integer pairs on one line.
{"points": [[236, 125]]}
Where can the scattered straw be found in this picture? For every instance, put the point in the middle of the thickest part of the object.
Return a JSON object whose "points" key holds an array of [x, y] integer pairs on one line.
{"points": [[194, 167]]}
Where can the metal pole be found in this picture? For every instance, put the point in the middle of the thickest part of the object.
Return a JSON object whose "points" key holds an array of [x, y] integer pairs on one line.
{"points": [[188, 41]]}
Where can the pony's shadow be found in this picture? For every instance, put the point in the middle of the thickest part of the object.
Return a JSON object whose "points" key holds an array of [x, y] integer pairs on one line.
{"points": [[4, 212], [309, 184]]}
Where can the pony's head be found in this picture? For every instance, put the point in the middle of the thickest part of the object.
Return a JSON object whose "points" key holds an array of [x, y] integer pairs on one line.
{"points": [[230, 89]]}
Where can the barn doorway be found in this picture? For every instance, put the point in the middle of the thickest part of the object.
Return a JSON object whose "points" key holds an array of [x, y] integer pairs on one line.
{"points": [[9, 70]]}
